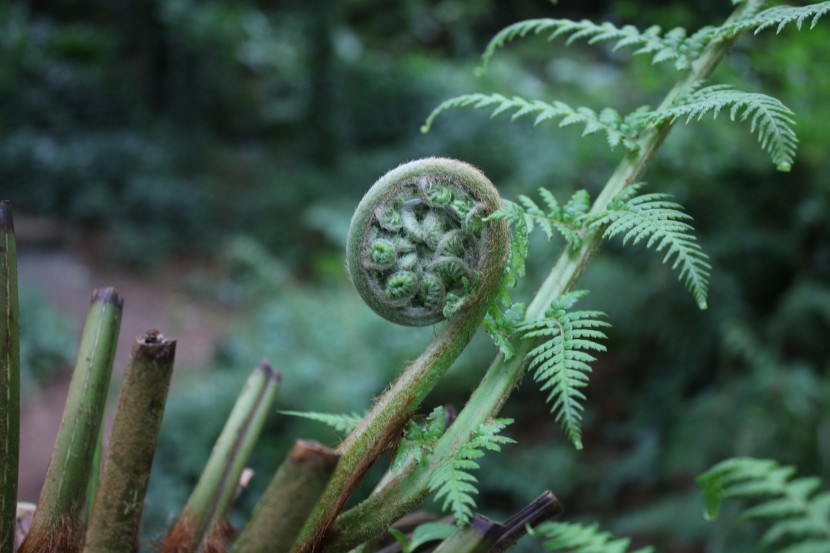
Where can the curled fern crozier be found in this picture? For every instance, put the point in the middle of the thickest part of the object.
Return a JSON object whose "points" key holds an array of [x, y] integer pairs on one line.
{"points": [[418, 250]]}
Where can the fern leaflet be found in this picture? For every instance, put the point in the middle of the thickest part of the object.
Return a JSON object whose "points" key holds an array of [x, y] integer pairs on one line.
{"points": [[662, 223], [617, 130], [568, 537], [500, 324], [453, 482], [419, 439], [341, 423], [560, 362], [799, 515], [778, 17], [520, 240], [673, 45], [568, 220], [771, 118]]}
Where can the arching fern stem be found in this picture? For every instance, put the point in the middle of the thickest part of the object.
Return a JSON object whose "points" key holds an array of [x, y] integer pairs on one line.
{"points": [[404, 493]]}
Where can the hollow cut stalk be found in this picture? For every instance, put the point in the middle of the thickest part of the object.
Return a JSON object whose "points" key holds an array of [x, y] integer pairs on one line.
{"points": [[284, 507], [203, 516], [119, 502], [543, 508], [9, 378], [58, 523]]}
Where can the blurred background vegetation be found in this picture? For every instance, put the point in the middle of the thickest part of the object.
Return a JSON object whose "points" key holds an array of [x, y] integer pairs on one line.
{"points": [[234, 138]]}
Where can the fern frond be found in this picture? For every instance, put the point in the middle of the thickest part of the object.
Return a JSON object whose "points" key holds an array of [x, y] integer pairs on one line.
{"points": [[778, 17], [344, 423], [663, 225], [798, 514], [608, 120], [452, 480], [673, 45], [569, 537], [771, 118], [561, 361]]}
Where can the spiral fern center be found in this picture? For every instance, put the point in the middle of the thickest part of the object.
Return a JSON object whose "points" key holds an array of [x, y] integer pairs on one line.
{"points": [[422, 248]]}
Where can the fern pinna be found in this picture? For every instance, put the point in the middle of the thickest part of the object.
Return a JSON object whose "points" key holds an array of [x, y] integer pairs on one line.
{"points": [[673, 45], [452, 480], [767, 115], [560, 361], [663, 225], [564, 537], [796, 511]]}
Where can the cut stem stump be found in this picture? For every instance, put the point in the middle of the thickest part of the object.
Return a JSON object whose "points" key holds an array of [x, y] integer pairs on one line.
{"points": [[58, 523], [284, 507], [119, 502]]}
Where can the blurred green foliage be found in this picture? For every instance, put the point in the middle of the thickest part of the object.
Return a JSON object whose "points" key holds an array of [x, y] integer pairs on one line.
{"points": [[235, 130], [172, 124], [47, 341]]}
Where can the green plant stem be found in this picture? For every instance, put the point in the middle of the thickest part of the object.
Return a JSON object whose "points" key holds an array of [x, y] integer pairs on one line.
{"points": [[374, 515], [58, 523], [94, 473], [210, 500], [284, 507], [119, 502], [9, 378]]}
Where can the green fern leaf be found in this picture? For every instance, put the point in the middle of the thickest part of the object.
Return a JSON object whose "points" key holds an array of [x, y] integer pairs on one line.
{"points": [[568, 537], [501, 325], [798, 516], [673, 45], [615, 131], [561, 361], [452, 481], [520, 240], [778, 17], [419, 438], [662, 224], [772, 119], [577, 208], [341, 423], [568, 220]]}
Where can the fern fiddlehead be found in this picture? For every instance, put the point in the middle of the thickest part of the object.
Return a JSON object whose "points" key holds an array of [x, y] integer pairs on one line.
{"points": [[419, 250]]}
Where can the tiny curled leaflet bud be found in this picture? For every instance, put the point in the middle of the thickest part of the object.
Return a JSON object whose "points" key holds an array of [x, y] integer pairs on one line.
{"points": [[418, 240]]}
